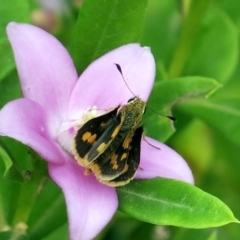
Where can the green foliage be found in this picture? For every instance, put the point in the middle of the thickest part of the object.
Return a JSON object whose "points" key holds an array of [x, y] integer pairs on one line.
{"points": [[217, 37], [10, 11], [195, 45], [166, 94], [13, 235], [11, 169], [169, 202], [112, 24]]}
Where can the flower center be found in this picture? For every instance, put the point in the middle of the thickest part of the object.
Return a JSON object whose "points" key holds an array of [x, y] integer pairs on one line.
{"points": [[69, 128]]}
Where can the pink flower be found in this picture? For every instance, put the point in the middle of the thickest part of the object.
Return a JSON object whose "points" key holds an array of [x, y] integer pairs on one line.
{"points": [[56, 102]]}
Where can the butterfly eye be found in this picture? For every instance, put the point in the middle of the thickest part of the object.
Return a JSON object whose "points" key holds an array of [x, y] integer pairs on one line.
{"points": [[131, 99]]}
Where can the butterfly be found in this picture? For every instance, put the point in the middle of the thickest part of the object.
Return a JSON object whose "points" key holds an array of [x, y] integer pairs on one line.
{"points": [[109, 145]]}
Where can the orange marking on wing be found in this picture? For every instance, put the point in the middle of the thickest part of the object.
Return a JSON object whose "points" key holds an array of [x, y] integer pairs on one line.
{"points": [[89, 137], [126, 142], [124, 156], [114, 161]]}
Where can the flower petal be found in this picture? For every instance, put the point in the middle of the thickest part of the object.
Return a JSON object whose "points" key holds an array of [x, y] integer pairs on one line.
{"points": [[102, 85], [26, 121], [90, 204], [45, 68], [163, 162]]}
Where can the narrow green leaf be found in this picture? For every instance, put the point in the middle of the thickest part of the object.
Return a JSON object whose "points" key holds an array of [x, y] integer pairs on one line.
{"points": [[191, 25], [48, 213], [211, 111], [13, 10], [170, 202], [11, 235], [12, 172], [213, 236], [157, 34], [165, 94], [10, 11], [59, 233], [10, 86], [158, 127], [231, 8], [8, 195], [194, 234], [213, 53], [6, 58], [103, 26]]}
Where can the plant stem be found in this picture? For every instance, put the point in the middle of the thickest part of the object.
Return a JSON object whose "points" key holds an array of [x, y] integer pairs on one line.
{"points": [[191, 25], [27, 198], [3, 224]]}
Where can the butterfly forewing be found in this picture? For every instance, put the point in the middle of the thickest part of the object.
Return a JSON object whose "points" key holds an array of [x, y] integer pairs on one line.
{"points": [[95, 136]]}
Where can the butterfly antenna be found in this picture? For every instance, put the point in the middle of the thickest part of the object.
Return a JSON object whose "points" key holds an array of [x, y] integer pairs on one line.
{"points": [[169, 117], [120, 70]]}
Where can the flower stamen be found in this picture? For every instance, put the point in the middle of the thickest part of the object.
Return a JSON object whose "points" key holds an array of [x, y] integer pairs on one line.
{"points": [[69, 128]]}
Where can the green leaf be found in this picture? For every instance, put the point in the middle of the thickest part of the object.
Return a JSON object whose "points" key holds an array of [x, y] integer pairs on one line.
{"points": [[12, 172], [103, 26], [191, 21], [170, 202], [10, 86], [213, 236], [13, 11], [230, 7], [10, 11], [6, 58], [48, 213], [159, 32], [59, 233], [8, 195], [224, 117], [194, 234], [159, 128], [214, 52], [165, 94], [221, 111], [12, 235]]}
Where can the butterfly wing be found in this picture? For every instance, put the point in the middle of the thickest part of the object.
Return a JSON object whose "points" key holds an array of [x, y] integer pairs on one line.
{"points": [[131, 162], [111, 163], [95, 136]]}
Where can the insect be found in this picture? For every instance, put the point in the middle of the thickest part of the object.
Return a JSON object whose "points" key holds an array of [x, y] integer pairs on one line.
{"points": [[109, 145]]}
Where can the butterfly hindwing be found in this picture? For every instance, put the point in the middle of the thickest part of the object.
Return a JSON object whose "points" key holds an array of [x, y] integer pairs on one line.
{"points": [[131, 163], [112, 162]]}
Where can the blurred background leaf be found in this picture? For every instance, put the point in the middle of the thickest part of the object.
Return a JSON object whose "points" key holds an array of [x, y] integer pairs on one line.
{"points": [[12, 171], [214, 52], [165, 95], [10, 11], [115, 23], [196, 48]]}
